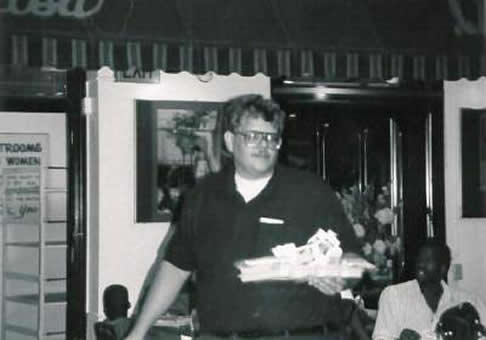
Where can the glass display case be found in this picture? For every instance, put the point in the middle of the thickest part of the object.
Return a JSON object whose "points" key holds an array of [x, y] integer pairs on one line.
{"points": [[379, 149]]}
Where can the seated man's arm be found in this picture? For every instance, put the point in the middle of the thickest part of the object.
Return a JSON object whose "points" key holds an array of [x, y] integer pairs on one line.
{"points": [[163, 291], [387, 325]]}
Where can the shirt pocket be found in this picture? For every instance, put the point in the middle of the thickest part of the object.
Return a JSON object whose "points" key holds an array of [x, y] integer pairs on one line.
{"points": [[270, 234]]}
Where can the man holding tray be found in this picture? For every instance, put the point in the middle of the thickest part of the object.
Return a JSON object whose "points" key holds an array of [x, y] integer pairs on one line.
{"points": [[242, 212]]}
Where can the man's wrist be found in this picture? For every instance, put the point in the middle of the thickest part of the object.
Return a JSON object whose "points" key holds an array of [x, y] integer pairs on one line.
{"points": [[138, 331]]}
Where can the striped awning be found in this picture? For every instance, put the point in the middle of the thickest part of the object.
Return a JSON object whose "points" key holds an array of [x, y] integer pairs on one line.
{"points": [[331, 40], [325, 64]]}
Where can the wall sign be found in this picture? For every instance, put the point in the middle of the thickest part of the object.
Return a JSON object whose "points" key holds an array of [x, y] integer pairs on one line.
{"points": [[135, 75], [21, 160], [22, 195], [47, 8]]}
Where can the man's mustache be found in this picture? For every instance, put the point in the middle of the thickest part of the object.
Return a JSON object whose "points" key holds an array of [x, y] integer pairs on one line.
{"points": [[263, 154]]}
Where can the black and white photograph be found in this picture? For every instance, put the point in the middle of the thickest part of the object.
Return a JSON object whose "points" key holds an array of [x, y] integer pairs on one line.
{"points": [[177, 145], [242, 170]]}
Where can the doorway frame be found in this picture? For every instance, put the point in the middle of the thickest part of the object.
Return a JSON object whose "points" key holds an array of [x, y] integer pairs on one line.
{"points": [[70, 103], [298, 92]]}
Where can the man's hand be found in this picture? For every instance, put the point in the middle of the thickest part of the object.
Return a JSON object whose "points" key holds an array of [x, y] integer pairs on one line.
{"points": [[334, 285], [327, 285]]}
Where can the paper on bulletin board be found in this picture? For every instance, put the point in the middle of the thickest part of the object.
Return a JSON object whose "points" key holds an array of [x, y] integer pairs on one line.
{"points": [[22, 195], [21, 166]]}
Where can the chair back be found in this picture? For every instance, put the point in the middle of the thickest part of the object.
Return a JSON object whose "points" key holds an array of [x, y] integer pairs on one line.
{"points": [[104, 331]]}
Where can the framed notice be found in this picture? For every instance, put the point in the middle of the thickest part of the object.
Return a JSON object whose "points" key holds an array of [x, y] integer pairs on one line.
{"points": [[22, 157]]}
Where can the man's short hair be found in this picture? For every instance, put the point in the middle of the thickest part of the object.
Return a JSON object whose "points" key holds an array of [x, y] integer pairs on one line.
{"points": [[442, 249], [253, 106], [116, 296]]}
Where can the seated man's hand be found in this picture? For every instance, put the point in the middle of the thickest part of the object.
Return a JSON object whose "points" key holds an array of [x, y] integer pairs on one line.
{"points": [[327, 285]]}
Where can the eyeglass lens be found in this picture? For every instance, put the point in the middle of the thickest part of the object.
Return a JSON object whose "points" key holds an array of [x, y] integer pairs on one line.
{"points": [[253, 138]]}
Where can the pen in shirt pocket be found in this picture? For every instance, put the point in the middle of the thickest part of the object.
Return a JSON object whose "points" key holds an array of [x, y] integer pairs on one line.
{"points": [[270, 220]]}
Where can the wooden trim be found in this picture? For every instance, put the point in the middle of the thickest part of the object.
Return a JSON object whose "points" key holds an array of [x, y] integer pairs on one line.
{"points": [[76, 236]]}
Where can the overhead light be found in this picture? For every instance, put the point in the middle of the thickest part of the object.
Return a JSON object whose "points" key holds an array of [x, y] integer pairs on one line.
{"points": [[393, 81], [320, 92]]}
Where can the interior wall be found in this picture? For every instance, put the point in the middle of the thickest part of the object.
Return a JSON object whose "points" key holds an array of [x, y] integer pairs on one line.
{"points": [[465, 236], [119, 249]]}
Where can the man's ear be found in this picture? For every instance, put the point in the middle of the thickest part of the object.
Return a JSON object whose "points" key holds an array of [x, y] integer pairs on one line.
{"points": [[443, 270], [229, 139]]}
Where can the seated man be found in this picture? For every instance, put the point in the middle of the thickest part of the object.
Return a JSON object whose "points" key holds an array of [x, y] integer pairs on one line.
{"points": [[411, 310], [115, 306]]}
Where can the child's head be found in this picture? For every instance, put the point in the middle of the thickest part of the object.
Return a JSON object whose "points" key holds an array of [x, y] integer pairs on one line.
{"points": [[115, 302]]}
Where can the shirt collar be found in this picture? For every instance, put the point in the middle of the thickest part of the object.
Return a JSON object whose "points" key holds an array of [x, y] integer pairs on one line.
{"points": [[445, 298], [250, 188], [230, 185]]}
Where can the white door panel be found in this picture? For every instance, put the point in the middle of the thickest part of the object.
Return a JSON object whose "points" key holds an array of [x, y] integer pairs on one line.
{"points": [[20, 305]]}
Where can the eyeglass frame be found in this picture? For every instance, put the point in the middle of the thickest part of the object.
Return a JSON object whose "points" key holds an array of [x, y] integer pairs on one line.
{"points": [[262, 136]]}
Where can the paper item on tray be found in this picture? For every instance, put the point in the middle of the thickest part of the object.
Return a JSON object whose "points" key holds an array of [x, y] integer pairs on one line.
{"points": [[175, 321], [321, 256]]}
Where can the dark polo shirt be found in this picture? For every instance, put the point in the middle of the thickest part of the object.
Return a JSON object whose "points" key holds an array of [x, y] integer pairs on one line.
{"points": [[218, 228]]}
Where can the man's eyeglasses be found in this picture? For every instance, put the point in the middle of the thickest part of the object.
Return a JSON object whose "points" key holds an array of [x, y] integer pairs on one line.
{"points": [[255, 138]]}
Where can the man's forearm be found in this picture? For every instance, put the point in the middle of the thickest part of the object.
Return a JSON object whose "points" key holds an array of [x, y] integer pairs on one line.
{"points": [[163, 290]]}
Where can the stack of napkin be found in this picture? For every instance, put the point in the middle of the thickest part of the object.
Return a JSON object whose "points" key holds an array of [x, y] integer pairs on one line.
{"points": [[321, 256]]}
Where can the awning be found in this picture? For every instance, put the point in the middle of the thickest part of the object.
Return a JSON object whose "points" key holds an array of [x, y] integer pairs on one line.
{"points": [[331, 40]]}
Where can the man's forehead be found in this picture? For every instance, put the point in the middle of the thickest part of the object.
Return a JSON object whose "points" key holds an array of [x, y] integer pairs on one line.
{"points": [[250, 118], [429, 251]]}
